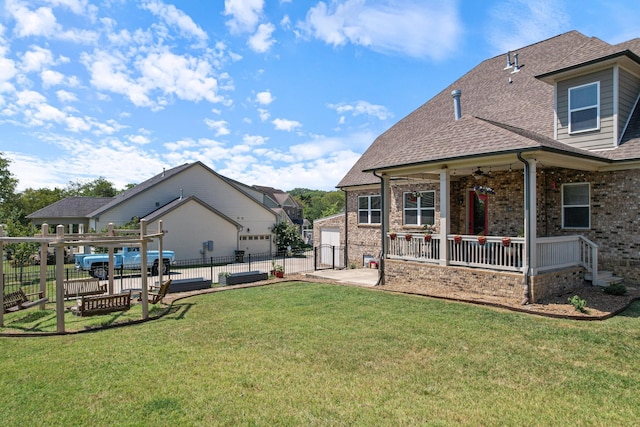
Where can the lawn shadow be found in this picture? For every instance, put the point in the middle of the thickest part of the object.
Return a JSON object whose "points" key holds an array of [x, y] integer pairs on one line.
{"points": [[179, 311], [632, 311]]}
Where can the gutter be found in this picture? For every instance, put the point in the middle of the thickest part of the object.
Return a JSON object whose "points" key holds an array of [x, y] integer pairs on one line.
{"points": [[527, 231], [383, 232]]}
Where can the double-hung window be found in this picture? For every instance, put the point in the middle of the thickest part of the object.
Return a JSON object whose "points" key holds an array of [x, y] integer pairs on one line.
{"points": [[369, 210], [576, 209], [419, 208], [584, 108]]}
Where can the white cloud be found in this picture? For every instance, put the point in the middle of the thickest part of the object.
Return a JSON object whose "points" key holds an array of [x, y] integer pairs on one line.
{"points": [[51, 78], [415, 28], [286, 125], [139, 139], [264, 98], [221, 127], [254, 140], [261, 41], [65, 96], [39, 22], [245, 14], [518, 23], [263, 114], [174, 16], [79, 7], [36, 59], [159, 74], [363, 108], [42, 22]]}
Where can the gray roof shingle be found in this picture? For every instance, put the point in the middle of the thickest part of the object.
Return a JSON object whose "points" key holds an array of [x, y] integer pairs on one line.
{"points": [[502, 111]]}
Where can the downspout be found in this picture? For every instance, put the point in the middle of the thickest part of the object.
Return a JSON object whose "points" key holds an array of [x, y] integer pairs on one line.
{"points": [[383, 232], [527, 233]]}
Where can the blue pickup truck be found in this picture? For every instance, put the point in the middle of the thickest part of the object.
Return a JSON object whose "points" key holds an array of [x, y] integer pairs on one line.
{"points": [[127, 258]]}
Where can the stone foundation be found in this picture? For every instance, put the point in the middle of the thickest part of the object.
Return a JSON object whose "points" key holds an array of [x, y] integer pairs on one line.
{"points": [[464, 282], [556, 283]]}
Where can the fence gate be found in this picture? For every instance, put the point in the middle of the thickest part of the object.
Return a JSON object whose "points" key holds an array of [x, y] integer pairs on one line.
{"points": [[328, 257]]}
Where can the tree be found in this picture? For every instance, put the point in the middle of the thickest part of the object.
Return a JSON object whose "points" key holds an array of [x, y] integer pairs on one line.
{"points": [[99, 187], [317, 203], [287, 235], [21, 253], [7, 189]]}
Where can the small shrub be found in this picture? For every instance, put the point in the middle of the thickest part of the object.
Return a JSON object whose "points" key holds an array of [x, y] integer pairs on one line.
{"points": [[578, 303], [352, 265], [616, 289]]}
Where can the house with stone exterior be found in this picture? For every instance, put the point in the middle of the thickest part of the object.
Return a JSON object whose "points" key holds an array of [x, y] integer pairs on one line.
{"points": [[519, 180]]}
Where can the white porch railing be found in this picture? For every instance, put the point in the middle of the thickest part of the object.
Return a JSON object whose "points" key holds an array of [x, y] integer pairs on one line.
{"points": [[468, 251], [414, 246], [495, 252], [490, 252], [566, 251]]}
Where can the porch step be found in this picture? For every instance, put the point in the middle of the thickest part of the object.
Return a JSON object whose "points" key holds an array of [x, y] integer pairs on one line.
{"points": [[605, 278]]}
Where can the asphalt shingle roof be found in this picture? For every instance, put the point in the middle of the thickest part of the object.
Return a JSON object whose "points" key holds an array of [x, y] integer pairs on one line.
{"points": [[502, 111], [71, 207]]}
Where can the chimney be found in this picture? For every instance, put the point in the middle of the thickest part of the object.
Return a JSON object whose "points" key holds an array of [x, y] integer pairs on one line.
{"points": [[456, 103]]}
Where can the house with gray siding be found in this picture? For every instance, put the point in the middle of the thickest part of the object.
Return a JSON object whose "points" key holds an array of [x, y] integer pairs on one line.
{"points": [[519, 180]]}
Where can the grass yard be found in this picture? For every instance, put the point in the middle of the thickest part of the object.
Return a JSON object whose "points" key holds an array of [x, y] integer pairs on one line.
{"points": [[312, 354]]}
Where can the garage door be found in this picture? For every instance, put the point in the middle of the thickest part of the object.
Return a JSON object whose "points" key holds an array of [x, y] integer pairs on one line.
{"points": [[330, 247]]}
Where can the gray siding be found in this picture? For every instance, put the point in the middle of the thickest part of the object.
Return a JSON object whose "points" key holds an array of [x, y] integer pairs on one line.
{"points": [[596, 140], [629, 89]]}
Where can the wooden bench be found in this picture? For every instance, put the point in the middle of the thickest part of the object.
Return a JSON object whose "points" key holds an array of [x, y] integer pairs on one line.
{"points": [[83, 287], [18, 300], [91, 305]]}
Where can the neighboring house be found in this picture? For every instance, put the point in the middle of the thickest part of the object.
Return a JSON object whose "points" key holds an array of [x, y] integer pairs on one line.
{"points": [[554, 130], [278, 199], [204, 213]]}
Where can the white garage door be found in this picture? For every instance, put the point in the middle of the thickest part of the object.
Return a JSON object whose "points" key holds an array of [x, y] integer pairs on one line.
{"points": [[330, 247]]}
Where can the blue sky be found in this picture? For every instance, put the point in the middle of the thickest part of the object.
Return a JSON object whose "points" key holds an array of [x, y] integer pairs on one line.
{"points": [[283, 93]]}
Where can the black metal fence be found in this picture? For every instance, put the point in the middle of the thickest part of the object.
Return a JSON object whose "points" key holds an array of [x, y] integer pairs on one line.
{"points": [[203, 268]]}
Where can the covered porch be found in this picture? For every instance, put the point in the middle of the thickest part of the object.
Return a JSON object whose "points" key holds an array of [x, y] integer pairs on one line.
{"points": [[496, 220]]}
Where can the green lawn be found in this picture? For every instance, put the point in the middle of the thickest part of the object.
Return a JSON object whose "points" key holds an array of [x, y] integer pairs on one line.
{"points": [[310, 354]]}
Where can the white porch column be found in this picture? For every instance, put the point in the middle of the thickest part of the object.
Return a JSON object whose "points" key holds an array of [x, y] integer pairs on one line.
{"points": [[385, 198], [531, 221], [445, 208]]}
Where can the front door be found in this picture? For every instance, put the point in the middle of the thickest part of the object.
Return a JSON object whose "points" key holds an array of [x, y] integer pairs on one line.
{"points": [[478, 214]]}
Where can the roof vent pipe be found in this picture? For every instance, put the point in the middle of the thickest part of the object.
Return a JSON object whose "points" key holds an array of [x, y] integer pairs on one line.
{"points": [[516, 67], [456, 103], [509, 64]]}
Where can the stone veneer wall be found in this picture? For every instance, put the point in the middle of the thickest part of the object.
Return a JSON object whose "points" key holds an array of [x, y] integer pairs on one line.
{"points": [[363, 239], [615, 215], [451, 281], [556, 283], [430, 279]]}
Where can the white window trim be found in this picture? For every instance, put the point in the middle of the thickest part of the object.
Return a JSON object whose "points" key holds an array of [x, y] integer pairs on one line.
{"points": [[588, 205], [597, 105], [418, 208], [369, 210]]}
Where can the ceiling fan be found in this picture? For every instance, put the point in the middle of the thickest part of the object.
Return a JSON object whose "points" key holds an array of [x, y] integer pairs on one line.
{"points": [[479, 173]]}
